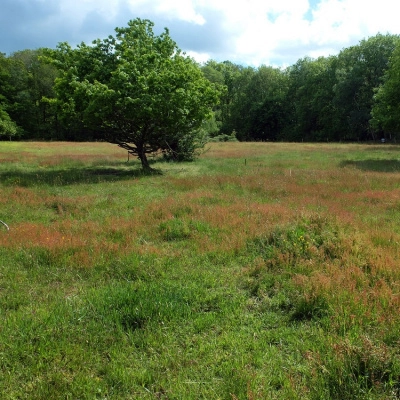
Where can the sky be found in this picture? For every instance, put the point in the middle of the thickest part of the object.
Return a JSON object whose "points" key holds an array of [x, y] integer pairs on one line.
{"points": [[248, 32]]}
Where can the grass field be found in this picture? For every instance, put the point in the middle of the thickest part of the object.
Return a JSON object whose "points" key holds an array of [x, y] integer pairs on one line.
{"points": [[260, 271]]}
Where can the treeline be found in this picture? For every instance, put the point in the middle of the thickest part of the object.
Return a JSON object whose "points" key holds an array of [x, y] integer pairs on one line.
{"points": [[352, 96], [28, 106]]}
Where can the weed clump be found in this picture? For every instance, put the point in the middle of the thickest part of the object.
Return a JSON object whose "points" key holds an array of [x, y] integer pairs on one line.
{"points": [[132, 307], [359, 369], [313, 238], [308, 269]]}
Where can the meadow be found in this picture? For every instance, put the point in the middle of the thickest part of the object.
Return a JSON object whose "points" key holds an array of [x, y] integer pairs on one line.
{"points": [[259, 271]]}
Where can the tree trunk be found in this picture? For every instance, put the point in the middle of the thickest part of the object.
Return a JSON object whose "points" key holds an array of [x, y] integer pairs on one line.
{"points": [[143, 158]]}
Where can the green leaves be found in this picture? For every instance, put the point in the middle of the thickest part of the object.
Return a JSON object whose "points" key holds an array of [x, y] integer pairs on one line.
{"points": [[386, 110], [7, 126]]}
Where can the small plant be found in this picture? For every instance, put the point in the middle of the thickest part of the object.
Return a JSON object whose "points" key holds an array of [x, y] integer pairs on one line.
{"points": [[175, 229], [309, 308]]}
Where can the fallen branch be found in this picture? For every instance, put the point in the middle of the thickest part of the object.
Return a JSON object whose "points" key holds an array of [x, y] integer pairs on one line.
{"points": [[5, 225]]}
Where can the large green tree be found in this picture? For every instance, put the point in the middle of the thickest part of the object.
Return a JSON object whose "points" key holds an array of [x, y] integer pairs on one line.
{"points": [[137, 89]]}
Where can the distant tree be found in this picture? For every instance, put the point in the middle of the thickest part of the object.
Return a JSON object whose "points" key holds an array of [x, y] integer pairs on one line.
{"points": [[265, 112], [331, 98], [232, 78], [386, 109], [8, 128], [309, 101], [138, 90], [237, 116], [212, 71], [28, 79], [359, 72]]}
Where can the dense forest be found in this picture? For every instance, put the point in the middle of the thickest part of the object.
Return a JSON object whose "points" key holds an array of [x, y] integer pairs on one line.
{"points": [[352, 96]]}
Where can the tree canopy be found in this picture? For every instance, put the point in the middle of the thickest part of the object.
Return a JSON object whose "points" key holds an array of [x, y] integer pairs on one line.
{"points": [[8, 127], [136, 89], [386, 109]]}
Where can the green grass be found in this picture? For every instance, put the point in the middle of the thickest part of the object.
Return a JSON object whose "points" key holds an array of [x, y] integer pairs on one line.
{"points": [[261, 271]]}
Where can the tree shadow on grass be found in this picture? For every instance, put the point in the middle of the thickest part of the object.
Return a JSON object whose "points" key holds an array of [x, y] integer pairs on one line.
{"points": [[373, 165], [73, 175]]}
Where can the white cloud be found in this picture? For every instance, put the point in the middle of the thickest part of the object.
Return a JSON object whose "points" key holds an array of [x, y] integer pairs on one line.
{"points": [[276, 32], [199, 57], [256, 27], [182, 9], [259, 28]]}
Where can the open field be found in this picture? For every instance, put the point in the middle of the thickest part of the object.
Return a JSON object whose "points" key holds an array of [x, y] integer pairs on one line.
{"points": [[260, 271]]}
